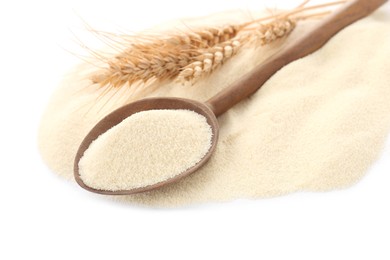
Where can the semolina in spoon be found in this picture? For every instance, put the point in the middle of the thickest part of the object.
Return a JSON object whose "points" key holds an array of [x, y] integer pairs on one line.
{"points": [[157, 141]]}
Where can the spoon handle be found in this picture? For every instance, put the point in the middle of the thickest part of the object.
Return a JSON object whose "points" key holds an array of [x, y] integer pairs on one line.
{"points": [[303, 46]]}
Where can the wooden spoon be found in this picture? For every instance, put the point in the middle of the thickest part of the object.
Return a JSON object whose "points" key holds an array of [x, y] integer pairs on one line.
{"points": [[239, 90]]}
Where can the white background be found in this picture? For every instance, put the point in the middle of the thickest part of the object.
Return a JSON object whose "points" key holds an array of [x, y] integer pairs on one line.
{"points": [[44, 217]]}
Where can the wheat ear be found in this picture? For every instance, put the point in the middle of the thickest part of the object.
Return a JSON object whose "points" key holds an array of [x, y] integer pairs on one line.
{"points": [[189, 55], [161, 57], [206, 37], [208, 60], [212, 58]]}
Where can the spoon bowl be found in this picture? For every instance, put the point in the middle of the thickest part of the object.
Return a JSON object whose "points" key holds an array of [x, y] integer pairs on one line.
{"points": [[117, 116]]}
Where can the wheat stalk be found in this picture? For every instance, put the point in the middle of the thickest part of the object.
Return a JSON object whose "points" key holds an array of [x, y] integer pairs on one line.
{"points": [[189, 55], [186, 56]]}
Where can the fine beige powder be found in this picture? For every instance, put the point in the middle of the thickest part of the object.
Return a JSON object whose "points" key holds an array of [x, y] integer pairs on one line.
{"points": [[146, 148], [318, 124]]}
